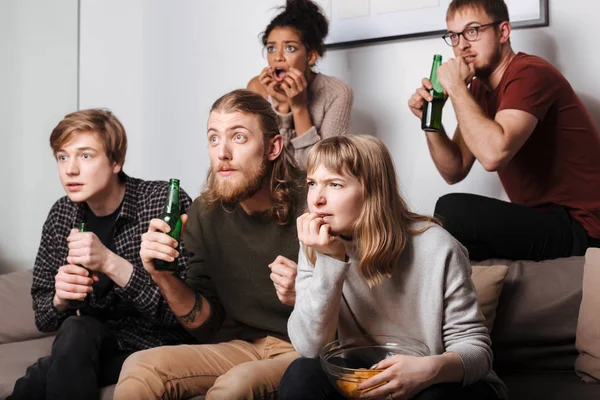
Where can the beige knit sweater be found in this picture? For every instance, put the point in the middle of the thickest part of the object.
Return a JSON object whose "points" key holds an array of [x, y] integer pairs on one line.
{"points": [[329, 106]]}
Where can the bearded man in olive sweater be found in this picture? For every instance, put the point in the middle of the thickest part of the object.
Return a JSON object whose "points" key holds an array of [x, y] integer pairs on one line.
{"points": [[240, 285]]}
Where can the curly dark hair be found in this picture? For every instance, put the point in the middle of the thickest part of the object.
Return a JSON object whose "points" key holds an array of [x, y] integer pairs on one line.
{"points": [[307, 18]]}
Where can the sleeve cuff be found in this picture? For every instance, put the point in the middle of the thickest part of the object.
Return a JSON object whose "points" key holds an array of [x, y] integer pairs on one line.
{"points": [[330, 270], [54, 314], [471, 358], [134, 286], [286, 119], [307, 139]]}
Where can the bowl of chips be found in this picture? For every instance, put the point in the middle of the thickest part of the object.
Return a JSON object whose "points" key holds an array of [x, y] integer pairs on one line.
{"points": [[350, 361]]}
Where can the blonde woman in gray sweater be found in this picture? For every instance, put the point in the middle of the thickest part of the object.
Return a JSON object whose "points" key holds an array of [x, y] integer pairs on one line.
{"points": [[310, 105], [368, 265]]}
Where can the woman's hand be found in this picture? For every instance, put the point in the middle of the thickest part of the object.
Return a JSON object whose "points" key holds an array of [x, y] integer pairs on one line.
{"points": [[402, 378], [294, 85], [274, 89], [313, 232]]}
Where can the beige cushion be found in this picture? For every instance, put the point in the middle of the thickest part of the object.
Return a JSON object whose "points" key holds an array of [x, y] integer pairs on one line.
{"points": [[17, 321], [16, 357], [587, 364], [488, 281], [536, 318]]}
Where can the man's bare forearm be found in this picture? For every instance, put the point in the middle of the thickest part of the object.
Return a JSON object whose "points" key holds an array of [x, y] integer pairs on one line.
{"points": [[190, 308], [446, 156], [484, 136]]}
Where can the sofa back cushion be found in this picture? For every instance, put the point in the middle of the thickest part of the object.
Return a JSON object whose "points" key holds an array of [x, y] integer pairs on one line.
{"points": [[536, 318], [17, 321], [587, 365], [488, 281]]}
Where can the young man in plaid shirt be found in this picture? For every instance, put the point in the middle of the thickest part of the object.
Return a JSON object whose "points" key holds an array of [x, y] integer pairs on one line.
{"points": [[125, 311]]}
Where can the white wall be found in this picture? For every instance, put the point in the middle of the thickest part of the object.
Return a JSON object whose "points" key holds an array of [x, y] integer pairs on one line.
{"points": [[160, 68], [38, 84]]}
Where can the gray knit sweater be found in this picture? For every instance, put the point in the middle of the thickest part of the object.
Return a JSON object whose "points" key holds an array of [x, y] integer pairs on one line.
{"points": [[429, 297], [329, 105]]}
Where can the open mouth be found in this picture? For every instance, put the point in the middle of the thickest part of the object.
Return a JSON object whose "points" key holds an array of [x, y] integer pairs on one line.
{"points": [[280, 74]]}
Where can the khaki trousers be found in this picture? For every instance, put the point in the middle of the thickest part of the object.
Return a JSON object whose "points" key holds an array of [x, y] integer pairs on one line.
{"points": [[231, 370]]}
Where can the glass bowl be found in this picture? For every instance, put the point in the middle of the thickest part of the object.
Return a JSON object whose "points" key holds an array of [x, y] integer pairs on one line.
{"points": [[347, 362]]}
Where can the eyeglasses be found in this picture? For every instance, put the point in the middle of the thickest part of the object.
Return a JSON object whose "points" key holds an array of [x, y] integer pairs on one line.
{"points": [[470, 34]]}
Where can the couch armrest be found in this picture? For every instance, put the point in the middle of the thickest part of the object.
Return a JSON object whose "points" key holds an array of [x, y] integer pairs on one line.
{"points": [[17, 321]]}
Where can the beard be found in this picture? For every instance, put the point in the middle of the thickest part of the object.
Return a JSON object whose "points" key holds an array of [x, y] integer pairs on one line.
{"points": [[231, 192], [486, 70]]}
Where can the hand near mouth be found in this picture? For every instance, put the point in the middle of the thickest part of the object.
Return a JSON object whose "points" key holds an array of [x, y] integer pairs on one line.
{"points": [[313, 232], [273, 89], [455, 73], [294, 85]]}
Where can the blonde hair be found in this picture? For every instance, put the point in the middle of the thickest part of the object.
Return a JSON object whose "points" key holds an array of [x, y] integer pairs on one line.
{"points": [[98, 120], [382, 229], [286, 180]]}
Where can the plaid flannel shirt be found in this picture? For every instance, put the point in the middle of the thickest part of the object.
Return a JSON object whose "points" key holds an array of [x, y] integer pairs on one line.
{"points": [[137, 313]]}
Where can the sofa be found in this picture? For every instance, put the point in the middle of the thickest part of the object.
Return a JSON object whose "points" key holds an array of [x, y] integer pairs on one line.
{"points": [[533, 331], [21, 344]]}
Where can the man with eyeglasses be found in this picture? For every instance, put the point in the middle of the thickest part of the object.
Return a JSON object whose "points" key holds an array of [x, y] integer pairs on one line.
{"points": [[517, 115]]}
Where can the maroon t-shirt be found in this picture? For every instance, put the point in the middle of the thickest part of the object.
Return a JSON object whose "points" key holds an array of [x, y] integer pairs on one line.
{"points": [[560, 162]]}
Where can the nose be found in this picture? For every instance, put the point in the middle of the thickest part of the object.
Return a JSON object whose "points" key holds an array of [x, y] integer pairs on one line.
{"points": [[224, 151], [319, 199], [72, 166], [279, 55], [463, 43]]}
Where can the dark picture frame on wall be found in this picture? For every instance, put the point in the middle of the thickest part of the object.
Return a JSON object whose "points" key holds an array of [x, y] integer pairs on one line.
{"points": [[360, 22]]}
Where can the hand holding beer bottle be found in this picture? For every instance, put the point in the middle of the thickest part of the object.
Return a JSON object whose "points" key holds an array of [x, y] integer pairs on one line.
{"points": [[428, 100], [72, 284], [77, 304], [172, 217], [431, 120]]}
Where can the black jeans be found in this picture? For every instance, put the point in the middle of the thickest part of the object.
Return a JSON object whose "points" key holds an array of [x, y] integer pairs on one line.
{"points": [[84, 357], [305, 380], [491, 228]]}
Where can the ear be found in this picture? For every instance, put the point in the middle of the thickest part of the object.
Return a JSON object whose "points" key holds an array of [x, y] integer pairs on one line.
{"points": [[313, 56], [504, 28], [117, 168], [275, 147]]}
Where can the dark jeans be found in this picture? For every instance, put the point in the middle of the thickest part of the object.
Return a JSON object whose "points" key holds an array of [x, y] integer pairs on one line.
{"points": [[305, 380], [84, 357], [491, 228]]}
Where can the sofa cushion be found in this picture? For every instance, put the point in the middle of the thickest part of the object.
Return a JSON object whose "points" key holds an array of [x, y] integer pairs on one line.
{"points": [[16, 357], [488, 281], [17, 321], [587, 364], [549, 386], [536, 318]]}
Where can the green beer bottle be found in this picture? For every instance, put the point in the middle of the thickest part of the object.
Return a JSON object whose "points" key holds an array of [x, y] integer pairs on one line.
{"points": [[77, 304], [431, 120], [172, 216]]}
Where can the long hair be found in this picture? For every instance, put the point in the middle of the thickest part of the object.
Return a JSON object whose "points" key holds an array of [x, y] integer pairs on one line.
{"points": [[285, 181], [382, 229]]}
